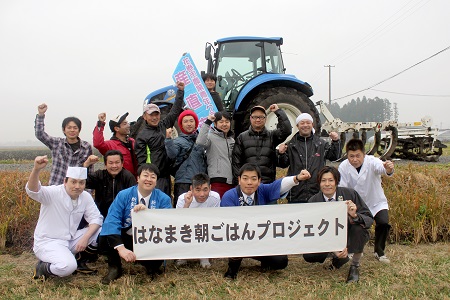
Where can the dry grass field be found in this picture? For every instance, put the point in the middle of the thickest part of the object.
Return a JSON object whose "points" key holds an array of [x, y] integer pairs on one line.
{"points": [[416, 272], [419, 250]]}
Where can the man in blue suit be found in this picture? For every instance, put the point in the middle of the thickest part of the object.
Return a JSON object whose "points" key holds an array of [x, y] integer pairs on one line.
{"points": [[116, 236]]}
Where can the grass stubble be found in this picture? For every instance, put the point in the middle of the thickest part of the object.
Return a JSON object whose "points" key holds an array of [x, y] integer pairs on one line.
{"points": [[416, 272], [419, 269]]}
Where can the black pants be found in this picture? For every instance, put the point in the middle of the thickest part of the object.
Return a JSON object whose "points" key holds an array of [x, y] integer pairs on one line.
{"points": [[357, 237], [178, 189], [165, 185], [381, 231], [275, 262], [114, 259]]}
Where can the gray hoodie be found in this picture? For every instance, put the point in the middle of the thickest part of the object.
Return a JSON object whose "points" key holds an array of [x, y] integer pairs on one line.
{"points": [[218, 152]]}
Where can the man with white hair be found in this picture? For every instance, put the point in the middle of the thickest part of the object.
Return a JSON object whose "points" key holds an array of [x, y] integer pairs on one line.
{"points": [[307, 151], [56, 238]]}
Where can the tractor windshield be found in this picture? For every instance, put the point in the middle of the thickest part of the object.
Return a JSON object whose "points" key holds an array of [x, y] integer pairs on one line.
{"points": [[240, 61]]}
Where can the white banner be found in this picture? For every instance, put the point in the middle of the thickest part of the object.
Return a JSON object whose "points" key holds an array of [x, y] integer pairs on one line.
{"points": [[239, 231]]}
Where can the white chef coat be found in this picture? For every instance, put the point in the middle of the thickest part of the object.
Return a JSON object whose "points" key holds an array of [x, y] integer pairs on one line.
{"points": [[367, 182], [58, 217]]}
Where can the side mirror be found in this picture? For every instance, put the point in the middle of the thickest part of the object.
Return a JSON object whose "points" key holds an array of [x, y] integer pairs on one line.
{"points": [[208, 51]]}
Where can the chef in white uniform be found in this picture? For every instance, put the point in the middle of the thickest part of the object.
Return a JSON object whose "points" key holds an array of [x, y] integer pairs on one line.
{"points": [[56, 237], [363, 173]]}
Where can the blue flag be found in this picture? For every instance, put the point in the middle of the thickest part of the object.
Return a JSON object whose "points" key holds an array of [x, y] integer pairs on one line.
{"points": [[196, 95]]}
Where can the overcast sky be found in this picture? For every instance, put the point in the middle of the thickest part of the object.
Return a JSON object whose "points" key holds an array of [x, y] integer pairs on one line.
{"points": [[86, 57]]}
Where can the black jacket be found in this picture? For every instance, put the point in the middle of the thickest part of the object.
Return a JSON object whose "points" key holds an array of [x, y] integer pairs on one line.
{"points": [[259, 148], [342, 194], [357, 236], [154, 138], [217, 100], [308, 154], [107, 187]]}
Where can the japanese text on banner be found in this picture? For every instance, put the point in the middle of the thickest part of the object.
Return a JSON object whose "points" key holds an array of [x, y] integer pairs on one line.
{"points": [[239, 231]]}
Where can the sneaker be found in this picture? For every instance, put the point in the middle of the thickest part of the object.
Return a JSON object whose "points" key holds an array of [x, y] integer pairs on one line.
{"points": [[181, 262], [382, 259], [204, 262]]}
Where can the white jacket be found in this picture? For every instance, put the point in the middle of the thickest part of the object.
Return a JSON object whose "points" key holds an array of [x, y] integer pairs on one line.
{"points": [[58, 219], [367, 182]]}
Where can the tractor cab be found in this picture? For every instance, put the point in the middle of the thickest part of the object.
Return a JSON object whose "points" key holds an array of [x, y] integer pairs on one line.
{"points": [[237, 60]]}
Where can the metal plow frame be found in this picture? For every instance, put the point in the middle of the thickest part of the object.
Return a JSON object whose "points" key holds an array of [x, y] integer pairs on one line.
{"points": [[415, 141]]}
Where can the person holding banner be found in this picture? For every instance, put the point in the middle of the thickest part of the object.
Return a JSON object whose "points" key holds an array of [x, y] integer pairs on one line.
{"points": [[257, 145], [116, 236], [219, 143], [199, 196], [250, 192], [359, 221], [210, 81], [189, 157], [149, 146]]}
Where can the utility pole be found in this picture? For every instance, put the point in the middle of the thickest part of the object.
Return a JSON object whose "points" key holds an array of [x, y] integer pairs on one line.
{"points": [[329, 83]]}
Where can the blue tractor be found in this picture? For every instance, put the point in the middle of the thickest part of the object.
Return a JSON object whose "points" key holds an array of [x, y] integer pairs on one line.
{"points": [[250, 71]]}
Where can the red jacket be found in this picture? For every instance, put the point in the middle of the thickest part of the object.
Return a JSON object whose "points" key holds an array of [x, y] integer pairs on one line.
{"points": [[129, 158]]}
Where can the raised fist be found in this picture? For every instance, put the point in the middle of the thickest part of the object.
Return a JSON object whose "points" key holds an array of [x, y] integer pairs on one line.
{"points": [[102, 117], [42, 108]]}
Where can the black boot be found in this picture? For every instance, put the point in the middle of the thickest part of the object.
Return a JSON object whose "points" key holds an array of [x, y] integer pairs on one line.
{"points": [[42, 270], [353, 274], [82, 258], [233, 268], [153, 268], [336, 263], [114, 272], [91, 253]]}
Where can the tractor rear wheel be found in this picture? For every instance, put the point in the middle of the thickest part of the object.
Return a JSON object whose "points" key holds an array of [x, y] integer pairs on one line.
{"points": [[292, 101]]}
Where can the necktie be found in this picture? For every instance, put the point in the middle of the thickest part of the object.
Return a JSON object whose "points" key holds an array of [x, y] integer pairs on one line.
{"points": [[249, 200], [142, 201], [330, 199]]}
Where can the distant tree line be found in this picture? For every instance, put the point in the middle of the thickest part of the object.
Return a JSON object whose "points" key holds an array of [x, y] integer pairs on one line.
{"points": [[365, 110]]}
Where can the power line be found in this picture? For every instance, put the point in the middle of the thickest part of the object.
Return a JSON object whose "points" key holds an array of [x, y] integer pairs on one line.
{"points": [[445, 49], [387, 25], [419, 95], [398, 17]]}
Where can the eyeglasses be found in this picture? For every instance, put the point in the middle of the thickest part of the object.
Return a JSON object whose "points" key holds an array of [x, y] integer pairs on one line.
{"points": [[258, 117]]}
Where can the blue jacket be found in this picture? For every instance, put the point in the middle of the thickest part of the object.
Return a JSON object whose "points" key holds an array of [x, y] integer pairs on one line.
{"points": [[119, 213], [192, 165], [266, 193]]}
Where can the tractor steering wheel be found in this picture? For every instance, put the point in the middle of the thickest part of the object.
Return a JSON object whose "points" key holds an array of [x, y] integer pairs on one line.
{"points": [[237, 74]]}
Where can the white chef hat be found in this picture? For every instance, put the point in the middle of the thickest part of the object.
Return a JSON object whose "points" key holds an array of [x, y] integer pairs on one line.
{"points": [[77, 172]]}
